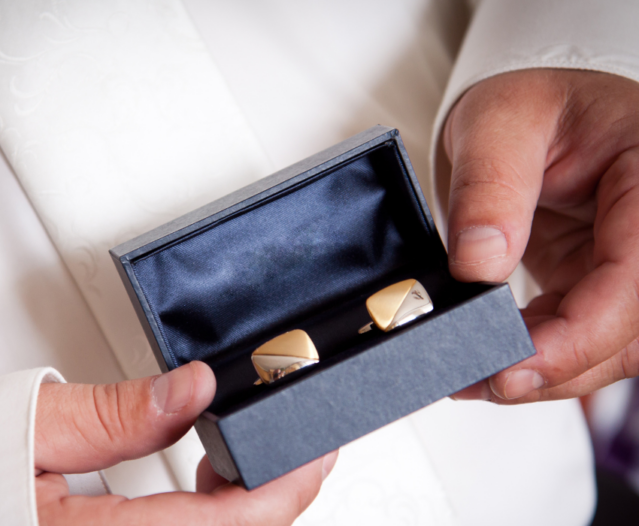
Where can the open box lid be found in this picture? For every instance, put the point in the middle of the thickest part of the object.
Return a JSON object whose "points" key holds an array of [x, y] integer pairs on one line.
{"points": [[303, 249]]}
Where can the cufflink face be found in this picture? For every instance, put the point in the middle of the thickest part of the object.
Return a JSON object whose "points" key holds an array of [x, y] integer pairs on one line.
{"points": [[398, 304], [283, 355]]}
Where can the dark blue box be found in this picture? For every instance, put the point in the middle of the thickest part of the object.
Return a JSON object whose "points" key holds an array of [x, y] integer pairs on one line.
{"points": [[303, 249]]}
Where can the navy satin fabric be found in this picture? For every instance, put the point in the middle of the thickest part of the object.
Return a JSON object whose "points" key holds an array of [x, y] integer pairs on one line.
{"points": [[258, 273]]}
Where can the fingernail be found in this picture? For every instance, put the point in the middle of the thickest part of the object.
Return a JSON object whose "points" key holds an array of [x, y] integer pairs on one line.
{"points": [[521, 382], [328, 464], [172, 391], [474, 392], [480, 243]]}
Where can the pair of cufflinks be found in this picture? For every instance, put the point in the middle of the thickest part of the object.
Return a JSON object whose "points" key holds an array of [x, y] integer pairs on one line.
{"points": [[389, 308]]}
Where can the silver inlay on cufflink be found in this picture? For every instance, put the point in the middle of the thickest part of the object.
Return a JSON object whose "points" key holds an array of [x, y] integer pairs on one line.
{"points": [[287, 353], [397, 305]]}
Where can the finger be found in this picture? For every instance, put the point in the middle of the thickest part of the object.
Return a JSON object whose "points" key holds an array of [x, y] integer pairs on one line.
{"points": [[497, 139], [539, 310], [278, 503], [479, 391], [560, 250], [600, 315], [623, 365], [301, 487], [50, 488], [82, 428], [206, 479]]}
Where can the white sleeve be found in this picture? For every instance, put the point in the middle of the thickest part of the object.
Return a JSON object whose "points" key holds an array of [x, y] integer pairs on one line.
{"points": [[19, 395], [509, 35]]}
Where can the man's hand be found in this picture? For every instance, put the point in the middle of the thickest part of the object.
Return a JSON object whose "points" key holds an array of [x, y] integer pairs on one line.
{"points": [[82, 428], [545, 167]]}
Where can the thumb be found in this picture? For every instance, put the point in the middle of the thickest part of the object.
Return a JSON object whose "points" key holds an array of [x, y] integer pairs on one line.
{"points": [[497, 139], [81, 428]]}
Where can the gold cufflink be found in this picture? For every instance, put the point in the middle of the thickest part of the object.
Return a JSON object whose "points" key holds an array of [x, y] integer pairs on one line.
{"points": [[397, 304], [283, 355]]}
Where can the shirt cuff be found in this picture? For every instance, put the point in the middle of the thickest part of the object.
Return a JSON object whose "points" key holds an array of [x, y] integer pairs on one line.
{"points": [[19, 395]]}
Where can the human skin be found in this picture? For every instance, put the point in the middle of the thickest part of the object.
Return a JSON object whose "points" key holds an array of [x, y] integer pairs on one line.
{"points": [[82, 428], [542, 166]]}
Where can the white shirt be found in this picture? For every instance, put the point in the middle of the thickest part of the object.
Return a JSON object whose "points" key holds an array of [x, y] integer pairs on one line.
{"points": [[110, 137]]}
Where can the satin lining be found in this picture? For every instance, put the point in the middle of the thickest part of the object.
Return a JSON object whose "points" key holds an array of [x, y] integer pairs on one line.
{"points": [[219, 293]]}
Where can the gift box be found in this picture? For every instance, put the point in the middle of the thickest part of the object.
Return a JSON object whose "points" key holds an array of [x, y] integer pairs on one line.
{"points": [[304, 249]]}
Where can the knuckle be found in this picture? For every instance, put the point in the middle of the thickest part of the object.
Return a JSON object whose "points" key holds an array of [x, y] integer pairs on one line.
{"points": [[624, 364], [620, 181], [580, 355], [629, 361], [109, 409], [488, 177], [632, 308]]}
